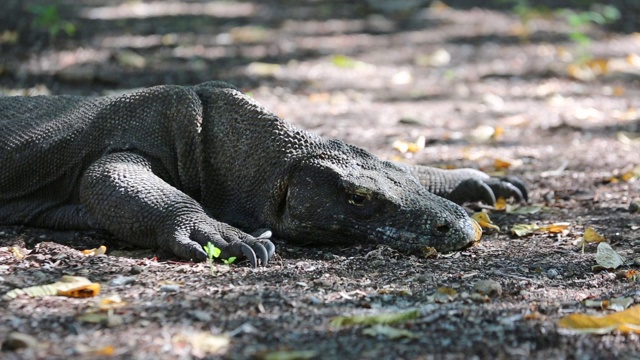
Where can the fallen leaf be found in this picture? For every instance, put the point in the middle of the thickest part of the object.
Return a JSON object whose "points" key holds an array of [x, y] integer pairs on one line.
{"points": [[386, 318], [291, 355], [555, 227], [522, 210], [477, 229], [627, 321], [98, 251], [523, 229], [591, 236], [66, 284], [388, 332], [501, 204], [263, 69], [345, 62], [429, 252], [85, 291], [16, 252], [501, 164], [444, 295], [482, 218], [607, 257], [202, 343]]}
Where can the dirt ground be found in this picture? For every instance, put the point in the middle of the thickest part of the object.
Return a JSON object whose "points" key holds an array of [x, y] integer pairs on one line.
{"points": [[474, 85]]}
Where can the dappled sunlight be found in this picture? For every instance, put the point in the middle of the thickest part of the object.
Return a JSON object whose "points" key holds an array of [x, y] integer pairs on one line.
{"points": [[142, 10]]}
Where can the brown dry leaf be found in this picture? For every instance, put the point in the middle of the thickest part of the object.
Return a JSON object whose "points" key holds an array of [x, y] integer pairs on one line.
{"points": [[627, 321], [482, 218], [429, 252], [108, 350], [409, 147], [555, 228], [111, 302], [202, 343], [501, 164], [93, 252], [66, 284], [444, 295], [532, 316], [321, 97], [84, 291]]}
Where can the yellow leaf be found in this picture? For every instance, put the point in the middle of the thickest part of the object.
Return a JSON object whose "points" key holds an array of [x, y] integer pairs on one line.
{"points": [[482, 218], [591, 235], [16, 252], [555, 227], [624, 321], [501, 204], [99, 251], [477, 229], [500, 164]]}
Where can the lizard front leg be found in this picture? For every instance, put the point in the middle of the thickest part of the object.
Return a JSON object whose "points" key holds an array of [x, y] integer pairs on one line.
{"points": [[468, 185], [125, 197]]}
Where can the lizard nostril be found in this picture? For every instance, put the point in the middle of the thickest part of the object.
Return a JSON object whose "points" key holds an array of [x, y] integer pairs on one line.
{"points": [[443, 228]]}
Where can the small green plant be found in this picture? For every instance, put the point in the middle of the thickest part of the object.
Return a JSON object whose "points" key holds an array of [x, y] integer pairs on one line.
{"points": [[214, 252], [579, 20], [47, 17]]}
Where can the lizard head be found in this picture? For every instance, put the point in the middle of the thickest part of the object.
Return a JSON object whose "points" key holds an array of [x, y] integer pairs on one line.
{"points": [[348, 195]]}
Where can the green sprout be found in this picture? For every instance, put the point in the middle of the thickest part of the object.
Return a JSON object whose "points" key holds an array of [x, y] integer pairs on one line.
{"points": [[47, 16], [214, 252]]}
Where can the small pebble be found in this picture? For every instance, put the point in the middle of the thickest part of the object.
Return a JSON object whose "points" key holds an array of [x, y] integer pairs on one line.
{"points": [[170, 288], [201, 315], [122, 280], [634, 207], [552, 273]]}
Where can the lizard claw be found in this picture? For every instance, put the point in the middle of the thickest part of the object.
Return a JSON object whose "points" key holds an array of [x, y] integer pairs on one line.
{"points": [[487, 190], [249, 254], [261, 253], [518, 183]]}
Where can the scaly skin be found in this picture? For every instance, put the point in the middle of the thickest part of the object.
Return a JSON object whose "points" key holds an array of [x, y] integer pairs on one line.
{"points": [[175, 167]]}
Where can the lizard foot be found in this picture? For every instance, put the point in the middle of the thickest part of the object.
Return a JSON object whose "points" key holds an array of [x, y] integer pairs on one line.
{"points": [[188, 244], [488, 189]]}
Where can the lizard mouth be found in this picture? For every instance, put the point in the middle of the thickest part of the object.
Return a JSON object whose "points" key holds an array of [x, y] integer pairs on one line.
{"points": [[454, 237]]}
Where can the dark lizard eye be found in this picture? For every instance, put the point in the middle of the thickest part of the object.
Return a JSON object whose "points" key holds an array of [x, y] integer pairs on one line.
{"points": [[357, 199]]}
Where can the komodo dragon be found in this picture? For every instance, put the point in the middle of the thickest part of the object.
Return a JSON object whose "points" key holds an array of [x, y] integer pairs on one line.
{"points": [[175, 167]]}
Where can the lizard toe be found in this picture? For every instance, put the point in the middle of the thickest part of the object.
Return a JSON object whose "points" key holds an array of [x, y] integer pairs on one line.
{"points": [[248, 252], [185, 248], [271, 249], [518, 183], [471, 190], [505, 189]]}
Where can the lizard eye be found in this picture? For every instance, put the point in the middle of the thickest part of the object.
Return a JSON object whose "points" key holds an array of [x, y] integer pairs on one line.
{"points": [[357, 199]]}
